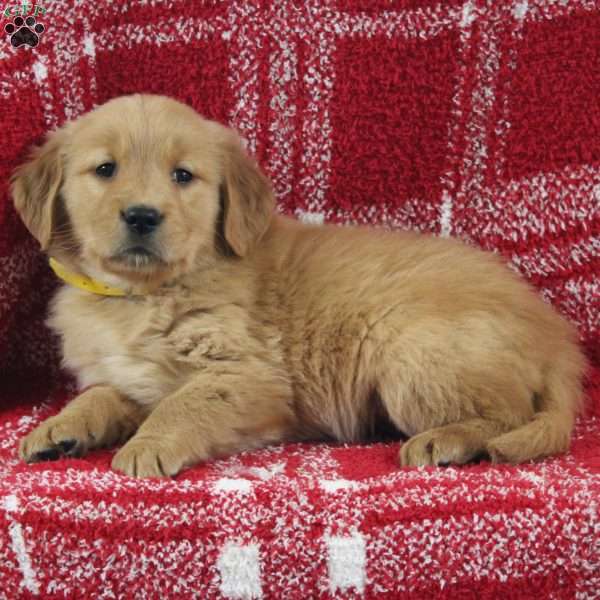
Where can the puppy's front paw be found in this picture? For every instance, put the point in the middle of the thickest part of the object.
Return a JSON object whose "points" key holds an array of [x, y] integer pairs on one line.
{"points": [[57, 436], [148, 457]]}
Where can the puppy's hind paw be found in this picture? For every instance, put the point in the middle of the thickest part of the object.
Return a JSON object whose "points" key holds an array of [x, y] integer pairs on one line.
{"points": [[441, 447]]}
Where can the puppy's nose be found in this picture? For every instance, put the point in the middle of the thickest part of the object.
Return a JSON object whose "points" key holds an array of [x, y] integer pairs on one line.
{"points": [[141, 219]]}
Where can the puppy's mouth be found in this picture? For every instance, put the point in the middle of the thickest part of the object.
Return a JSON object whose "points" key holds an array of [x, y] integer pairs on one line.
{"points": [[138, 258]]}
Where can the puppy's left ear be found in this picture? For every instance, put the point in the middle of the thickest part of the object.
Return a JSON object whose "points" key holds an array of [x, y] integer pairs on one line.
{"points": [[35, 187], [248, 200]]}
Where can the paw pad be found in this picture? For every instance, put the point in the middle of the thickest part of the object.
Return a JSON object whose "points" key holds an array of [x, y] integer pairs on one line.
{"points": [[67, 446], [24, 32], [47, 455]]}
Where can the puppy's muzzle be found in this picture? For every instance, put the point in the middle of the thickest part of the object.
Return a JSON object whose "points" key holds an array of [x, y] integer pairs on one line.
{"points": [[141, 219]]}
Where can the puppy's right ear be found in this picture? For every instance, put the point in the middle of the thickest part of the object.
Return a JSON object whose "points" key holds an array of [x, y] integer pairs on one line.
{"points": [[35, 187]]}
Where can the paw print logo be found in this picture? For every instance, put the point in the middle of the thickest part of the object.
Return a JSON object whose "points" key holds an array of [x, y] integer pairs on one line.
{"points": [[24, 32]]}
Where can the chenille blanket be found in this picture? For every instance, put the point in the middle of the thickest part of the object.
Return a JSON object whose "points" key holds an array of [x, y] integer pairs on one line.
{"points": [[474, 118]]}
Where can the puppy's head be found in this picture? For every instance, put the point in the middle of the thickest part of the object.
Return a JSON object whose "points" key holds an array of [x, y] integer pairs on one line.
{"points": [[142, 189]]}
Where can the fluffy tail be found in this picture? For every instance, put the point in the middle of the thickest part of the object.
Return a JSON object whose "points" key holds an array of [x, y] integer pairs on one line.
{"points": [[549, 432]]}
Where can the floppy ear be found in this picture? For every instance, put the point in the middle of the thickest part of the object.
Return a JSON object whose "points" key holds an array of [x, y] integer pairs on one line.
{"points": [[248, 200], [35, 188]]}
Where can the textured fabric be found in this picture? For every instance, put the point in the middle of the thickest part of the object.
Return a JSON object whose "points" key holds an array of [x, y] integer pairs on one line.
{"points": [[479, 119]]}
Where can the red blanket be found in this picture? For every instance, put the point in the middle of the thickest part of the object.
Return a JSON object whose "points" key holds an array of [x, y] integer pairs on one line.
{"points": [[471, 118]]}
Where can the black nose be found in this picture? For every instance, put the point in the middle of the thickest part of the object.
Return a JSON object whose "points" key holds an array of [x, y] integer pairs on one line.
{"points": [[141, 219]]}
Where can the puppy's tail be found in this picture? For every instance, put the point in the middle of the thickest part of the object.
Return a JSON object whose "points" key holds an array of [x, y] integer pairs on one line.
{"points": [[549, 432]]}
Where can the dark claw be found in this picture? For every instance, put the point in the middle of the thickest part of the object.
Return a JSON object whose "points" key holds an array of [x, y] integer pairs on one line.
{"points": [[50, 454], [481, 456], [67, 445]]}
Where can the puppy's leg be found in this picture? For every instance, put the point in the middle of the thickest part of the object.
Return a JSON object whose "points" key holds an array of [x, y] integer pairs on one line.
{"points": [[450, 403], [100, 416], [449, 422], [208, 417], [457, 443]]}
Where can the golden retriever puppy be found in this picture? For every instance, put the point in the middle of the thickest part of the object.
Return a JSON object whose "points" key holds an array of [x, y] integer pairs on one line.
{"points": [[199, 323]]}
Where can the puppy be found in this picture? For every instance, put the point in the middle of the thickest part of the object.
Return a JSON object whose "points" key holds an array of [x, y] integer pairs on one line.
{"points": [[200, 324]]}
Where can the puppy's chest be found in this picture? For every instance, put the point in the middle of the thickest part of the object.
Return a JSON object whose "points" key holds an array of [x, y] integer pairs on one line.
{"points": [[146, 348]]}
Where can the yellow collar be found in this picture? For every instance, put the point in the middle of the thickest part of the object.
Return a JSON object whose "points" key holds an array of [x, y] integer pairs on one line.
{"points": [[84, 283]]}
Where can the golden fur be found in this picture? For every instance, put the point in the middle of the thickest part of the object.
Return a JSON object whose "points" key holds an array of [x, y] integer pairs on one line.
{"points": [[247, 328]]}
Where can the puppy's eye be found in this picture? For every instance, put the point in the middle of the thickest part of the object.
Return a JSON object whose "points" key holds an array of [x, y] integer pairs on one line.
{"points": [[181, 176], [106, 170]]}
